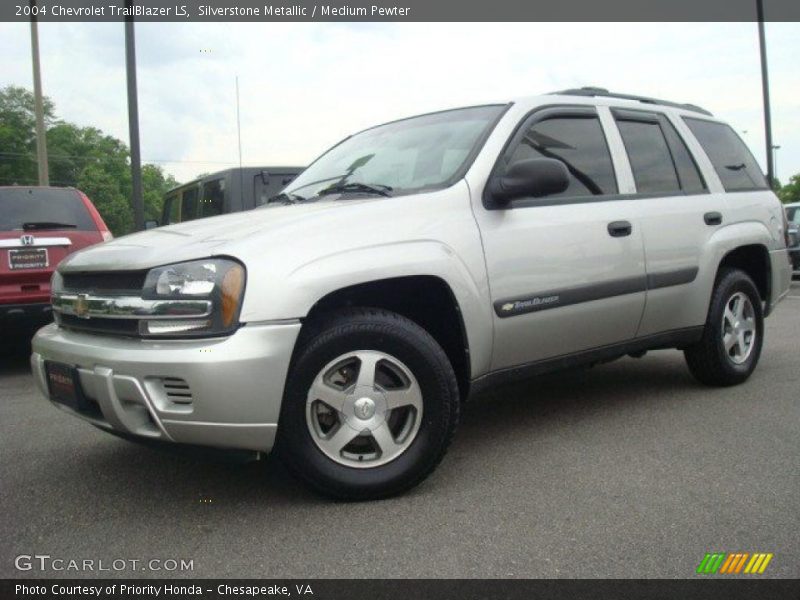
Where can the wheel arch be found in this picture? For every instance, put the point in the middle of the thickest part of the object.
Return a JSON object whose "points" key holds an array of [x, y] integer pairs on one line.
{"points": [[754, 260], [427, 300], [745, 246]]}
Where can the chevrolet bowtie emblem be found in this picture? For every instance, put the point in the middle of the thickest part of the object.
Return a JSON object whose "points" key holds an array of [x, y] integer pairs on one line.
{"points": [[80, 306]]}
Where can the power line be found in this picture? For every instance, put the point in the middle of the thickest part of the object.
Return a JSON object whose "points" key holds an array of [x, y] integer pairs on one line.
{"points": [[148, 160]]}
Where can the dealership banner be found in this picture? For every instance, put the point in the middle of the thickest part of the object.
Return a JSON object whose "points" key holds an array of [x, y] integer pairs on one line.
{"points": [[402, 589], [398, 10]]}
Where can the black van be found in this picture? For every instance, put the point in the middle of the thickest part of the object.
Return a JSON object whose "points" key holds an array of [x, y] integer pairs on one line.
{"points": [[224, 192]]}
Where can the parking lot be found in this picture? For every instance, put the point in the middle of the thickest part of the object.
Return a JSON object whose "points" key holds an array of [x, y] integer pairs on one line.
{"points": [[629, 469]]}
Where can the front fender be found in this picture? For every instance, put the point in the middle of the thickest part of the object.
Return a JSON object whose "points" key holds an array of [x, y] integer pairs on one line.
{"points": [[310, 282]]}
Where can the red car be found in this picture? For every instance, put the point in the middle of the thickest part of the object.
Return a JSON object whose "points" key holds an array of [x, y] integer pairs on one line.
{"points": [[39, 226]]}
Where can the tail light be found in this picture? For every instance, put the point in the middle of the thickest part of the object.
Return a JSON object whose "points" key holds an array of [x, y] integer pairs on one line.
{"points": [[98, 220]]}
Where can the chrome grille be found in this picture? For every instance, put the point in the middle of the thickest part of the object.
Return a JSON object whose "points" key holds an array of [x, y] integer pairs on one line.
{"points": [[107, 283]]}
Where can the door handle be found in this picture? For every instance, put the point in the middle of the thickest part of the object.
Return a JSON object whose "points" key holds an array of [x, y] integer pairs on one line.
{"points": [[713, 218], [619, 228]]}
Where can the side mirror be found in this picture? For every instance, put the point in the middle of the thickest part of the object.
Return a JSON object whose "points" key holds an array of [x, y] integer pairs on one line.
{"points": [[534, 177], [150, 224]]}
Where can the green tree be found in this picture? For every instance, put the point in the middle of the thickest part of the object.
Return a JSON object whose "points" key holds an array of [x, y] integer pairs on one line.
{"points": [[791, 191], [104, 190], [18, 135], [155, 183], [72, 149], [82, 157]]}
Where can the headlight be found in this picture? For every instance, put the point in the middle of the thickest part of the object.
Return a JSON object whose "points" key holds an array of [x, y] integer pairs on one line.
{"points": [[217, 280]]}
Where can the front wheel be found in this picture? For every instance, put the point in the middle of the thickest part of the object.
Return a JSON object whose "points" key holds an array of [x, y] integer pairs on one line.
{"points": [[370, 407], [731, 344]]}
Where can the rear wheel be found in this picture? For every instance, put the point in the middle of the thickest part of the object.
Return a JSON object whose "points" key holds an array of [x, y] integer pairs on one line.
{"points": [[734, 332], [370, 407]]}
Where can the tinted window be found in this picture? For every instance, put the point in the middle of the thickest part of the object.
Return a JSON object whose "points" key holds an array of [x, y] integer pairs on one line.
{"points": [[733, 162], [793, 214], [649, 156], [189, 203], [172, 210], [213, 202], [691, 180], [580, 144], [26, 205]]}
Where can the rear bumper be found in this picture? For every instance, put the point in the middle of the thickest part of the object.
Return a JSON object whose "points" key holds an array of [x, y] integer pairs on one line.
{"points": [[229, 389], [24, 313]]}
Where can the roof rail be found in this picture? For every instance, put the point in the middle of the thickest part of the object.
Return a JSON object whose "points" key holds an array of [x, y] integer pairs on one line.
{"points": [[598, 91]]}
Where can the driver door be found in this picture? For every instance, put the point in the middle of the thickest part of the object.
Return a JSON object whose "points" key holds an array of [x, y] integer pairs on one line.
{"points": [[566, 271]]}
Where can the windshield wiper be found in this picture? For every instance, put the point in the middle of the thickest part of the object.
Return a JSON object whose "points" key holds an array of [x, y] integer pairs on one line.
{"points": [[285, 198], [365, 188], [47, 225]]}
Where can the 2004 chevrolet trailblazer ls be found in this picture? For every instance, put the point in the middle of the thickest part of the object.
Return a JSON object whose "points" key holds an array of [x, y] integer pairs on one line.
{"points": [[415, 263]]}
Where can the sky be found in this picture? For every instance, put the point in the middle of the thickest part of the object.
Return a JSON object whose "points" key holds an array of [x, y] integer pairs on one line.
{"points": [[305, 86]]}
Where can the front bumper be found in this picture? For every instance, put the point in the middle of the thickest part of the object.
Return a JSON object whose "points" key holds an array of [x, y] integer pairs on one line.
{"points": [[219, 392]]}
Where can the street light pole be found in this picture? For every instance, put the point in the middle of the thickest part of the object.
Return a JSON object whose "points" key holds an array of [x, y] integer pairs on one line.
{"points": [[765, 91], [133, 121], [38, 102], [775, 149]]}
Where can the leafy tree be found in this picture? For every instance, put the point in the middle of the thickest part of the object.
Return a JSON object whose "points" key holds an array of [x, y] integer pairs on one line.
{"points": [[82, 157], [18, 135], [104, 190], [155, 183], [791, 191]]}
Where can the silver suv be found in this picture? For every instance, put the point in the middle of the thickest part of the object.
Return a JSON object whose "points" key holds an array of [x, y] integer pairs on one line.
{"points": [[415, 264]]}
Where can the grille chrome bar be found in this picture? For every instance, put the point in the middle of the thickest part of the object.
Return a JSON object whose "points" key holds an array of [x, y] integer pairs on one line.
{"points": [[128, 307]]}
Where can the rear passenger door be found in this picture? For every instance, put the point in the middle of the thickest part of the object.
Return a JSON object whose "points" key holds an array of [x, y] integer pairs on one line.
{"points": [[677, 215]]}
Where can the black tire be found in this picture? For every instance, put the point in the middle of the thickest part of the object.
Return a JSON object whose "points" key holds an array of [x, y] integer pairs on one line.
{"points": [[349, 330], [708, 360]]}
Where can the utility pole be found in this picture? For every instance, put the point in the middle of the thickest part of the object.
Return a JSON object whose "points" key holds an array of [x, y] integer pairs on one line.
{"points": [[238, 122], [41, 134], [775, 149], [765, 91], [133, 121]]}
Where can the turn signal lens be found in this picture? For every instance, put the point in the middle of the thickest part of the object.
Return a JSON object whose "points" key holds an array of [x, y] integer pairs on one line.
{"points": [[232, 285]]}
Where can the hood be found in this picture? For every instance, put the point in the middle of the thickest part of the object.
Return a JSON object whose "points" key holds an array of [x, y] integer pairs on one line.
{"points": [[202, 238]]}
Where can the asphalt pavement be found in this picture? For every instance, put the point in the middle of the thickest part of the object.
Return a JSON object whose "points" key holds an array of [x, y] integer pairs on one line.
{"points": [[628, 469]]}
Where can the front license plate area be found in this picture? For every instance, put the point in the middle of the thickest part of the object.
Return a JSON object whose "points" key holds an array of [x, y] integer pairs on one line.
{"points": [[28, 258], [63, 384]]}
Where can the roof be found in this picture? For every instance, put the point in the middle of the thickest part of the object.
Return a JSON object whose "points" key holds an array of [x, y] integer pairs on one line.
{"points": [[594, 92]]}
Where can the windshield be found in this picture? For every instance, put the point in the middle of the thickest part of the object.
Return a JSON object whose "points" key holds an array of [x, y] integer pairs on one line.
{"points": [[423, 152]]}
